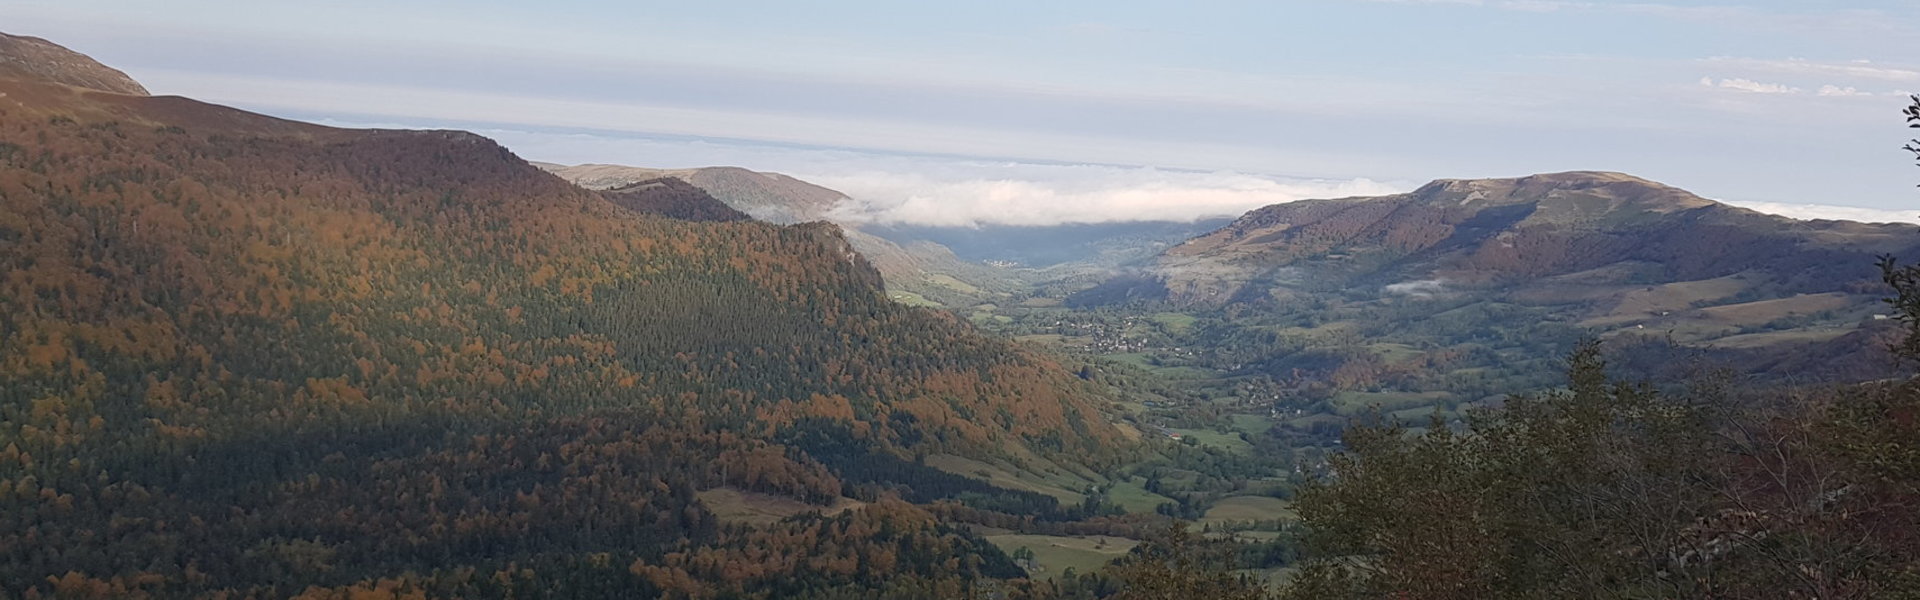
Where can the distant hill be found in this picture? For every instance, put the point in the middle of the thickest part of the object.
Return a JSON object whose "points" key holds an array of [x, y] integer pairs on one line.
{"points": [[1462, 291], [1546, 231], [242, 356]]}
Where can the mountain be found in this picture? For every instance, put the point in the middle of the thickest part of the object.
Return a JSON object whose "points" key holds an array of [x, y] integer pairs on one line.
{"points": [[242, 356], [24, 57], [1554, 231], [1462, 291]]}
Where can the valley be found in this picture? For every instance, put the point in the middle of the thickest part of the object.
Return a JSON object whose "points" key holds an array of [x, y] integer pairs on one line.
{"points": [[244, 356]]}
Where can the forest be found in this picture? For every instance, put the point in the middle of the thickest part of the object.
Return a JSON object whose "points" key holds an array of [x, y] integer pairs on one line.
{"points": [[246, 357]]}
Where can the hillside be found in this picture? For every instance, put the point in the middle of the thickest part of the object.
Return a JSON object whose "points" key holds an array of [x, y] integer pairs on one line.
{"points": [[1463, 291], [251, 357]]}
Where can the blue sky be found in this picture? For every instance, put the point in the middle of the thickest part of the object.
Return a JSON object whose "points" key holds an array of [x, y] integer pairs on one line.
{"points": [[1177, 105]]}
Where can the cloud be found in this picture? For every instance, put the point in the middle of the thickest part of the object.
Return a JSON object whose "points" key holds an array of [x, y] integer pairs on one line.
{"points": [[1425, 288], [1750, 86], [918, 189], [1841, 92], [1838, 213], [1818, 20], [968, 194], [1858, 69]]}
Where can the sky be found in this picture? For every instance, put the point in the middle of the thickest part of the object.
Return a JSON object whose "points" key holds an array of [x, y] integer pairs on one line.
{"points": [[1039, 112]]}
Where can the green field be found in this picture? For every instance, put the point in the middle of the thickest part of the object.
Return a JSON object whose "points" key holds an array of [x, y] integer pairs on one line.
{"points": [[1064, 486], [1248, 508], [1133, 496], [949, 282], [1055, 554], [1209, 437], [1251, 424], [1174, 323], [1358, 403]]}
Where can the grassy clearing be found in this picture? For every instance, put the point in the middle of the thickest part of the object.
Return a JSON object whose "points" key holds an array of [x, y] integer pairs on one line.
{"points": [[1055, 554], [1350, 404], [1675, 297], [1133, 496], [913, 299], [1395, 354], [1209, 437], [1174, 323], [1184, 373], [1758, 313], [1774, 338], [1249, 508], [1251, 424], [948, 281], [1064, 486]]}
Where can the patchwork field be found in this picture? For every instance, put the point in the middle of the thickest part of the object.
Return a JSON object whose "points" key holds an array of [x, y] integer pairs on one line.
{"points": [[1248, 508]]}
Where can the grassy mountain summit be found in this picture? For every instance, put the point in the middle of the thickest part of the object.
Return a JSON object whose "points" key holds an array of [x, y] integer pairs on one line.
{"points": [[35, 58], [243, 355]]}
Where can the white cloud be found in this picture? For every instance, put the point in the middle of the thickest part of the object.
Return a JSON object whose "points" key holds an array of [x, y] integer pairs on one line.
{"points": [[1838, 213], [1425, 288], [971, 194], [1750, 86], [1858, 69], [1841, 92], [916, 189]]}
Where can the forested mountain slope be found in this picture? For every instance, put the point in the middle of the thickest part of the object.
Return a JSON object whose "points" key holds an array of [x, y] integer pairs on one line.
{"points": [[256, 357]]}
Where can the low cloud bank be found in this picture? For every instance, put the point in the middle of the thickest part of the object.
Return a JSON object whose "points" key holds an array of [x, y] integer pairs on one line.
{"points": [[976, 194], [1425, 288], [1838, 213]]}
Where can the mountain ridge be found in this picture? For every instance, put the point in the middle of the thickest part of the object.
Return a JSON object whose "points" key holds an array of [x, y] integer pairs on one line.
{"points": [[32, 57], [1525, 227]]}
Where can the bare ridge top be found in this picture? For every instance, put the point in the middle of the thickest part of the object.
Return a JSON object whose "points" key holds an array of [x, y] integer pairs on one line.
{"points": [[1618, 190], [35, 58]]}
